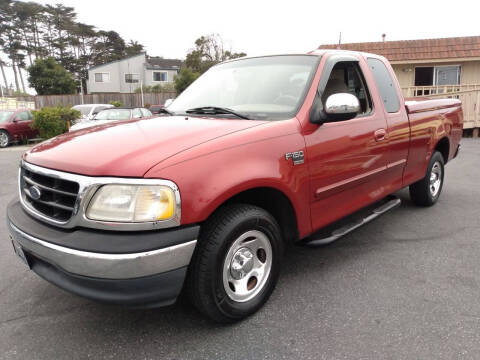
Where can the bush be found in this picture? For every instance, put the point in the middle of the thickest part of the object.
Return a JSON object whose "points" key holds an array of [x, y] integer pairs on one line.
{"points": [[159, 88], [185, 78], [53, 121], [116, 103]]}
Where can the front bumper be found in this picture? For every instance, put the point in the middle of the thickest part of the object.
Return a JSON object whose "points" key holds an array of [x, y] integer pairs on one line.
{"points": [[143, 276]]}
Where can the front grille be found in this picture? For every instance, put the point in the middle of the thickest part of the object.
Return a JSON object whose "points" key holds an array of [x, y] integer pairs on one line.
{"points": [[51, 196]]}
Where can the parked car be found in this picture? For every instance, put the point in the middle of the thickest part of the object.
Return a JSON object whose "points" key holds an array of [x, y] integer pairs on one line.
{"points": [[15, 125], [90, 110], [259, 152], [156, 109], [113, 114]]}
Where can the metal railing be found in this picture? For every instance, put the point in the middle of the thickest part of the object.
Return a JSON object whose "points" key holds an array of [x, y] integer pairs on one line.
{"points": [[469, 95]]}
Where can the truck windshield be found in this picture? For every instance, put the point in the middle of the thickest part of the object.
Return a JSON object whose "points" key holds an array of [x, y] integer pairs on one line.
{"points": [[265, 88]]}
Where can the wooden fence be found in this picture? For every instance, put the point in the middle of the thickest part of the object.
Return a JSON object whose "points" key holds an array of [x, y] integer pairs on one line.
{"points": [[469, 95], [127, 99]]}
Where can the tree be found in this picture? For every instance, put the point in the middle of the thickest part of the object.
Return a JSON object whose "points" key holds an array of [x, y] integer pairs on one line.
{"points": [[209, 50], [48, 77], [185, 78], [30, 31]]}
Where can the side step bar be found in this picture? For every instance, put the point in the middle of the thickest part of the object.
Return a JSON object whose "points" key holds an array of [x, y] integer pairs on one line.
{"points": [[335, 231]]}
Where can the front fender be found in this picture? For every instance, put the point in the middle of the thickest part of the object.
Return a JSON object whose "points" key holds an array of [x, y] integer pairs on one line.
{"points": [[206, 182]]}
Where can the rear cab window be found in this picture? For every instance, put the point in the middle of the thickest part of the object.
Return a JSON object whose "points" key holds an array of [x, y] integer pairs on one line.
{"points": [[385, 85]]}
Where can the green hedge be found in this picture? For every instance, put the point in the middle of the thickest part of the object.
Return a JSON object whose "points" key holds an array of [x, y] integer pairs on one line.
{"points": [[53, 121]]}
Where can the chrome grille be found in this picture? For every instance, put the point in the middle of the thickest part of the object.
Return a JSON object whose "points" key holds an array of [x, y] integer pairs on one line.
{"points": [[51, 196]]}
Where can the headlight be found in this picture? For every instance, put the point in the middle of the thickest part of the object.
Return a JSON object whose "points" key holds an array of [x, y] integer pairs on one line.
{"points": [[132, 203]]}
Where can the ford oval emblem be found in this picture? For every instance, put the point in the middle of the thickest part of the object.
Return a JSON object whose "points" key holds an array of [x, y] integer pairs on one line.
{"points": [[35, 192]]}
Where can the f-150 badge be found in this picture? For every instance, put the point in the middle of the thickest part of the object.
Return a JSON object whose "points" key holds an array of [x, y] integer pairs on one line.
{"points": [[296, 156]]}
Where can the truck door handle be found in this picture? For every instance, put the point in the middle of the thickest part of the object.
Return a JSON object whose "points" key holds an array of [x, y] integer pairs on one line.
{"points": [[380, 134]]}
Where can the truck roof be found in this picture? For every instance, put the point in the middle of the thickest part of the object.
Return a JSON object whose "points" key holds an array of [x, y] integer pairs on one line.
{"points": [[316, 52]]}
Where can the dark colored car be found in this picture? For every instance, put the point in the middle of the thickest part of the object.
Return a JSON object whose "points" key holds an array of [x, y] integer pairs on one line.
{"points": [[156, 109], [15, 125]]}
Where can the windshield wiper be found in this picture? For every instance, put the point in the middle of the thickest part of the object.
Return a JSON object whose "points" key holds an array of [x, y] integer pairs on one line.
{"points": [[216, 110]]}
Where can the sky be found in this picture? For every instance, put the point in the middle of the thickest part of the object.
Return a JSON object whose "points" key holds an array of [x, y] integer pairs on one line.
{"points": [[261, 27]]}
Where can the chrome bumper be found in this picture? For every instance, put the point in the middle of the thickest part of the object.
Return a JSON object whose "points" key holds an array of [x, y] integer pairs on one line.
{"points": [[106, 266]]}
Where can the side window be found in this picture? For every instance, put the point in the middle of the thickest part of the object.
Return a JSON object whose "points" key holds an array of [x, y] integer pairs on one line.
{"points": [[385, 85], [146, 113], [136, 114], [22, 116], [347, 77]]}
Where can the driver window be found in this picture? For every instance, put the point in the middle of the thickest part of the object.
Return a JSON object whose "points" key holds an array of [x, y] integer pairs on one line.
{"points": [[347, 77]]}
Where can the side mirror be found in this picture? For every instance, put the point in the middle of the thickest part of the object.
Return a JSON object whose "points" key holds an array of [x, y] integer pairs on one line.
{"points": [[168, 102], [16, 119], [342, 106], [338, 107]]}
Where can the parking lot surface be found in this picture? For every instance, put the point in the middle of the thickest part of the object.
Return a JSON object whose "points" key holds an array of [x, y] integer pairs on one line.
{"points": [[406, 286]]}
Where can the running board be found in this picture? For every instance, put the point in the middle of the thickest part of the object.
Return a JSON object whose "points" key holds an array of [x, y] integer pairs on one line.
{"points": [[341, 228]]}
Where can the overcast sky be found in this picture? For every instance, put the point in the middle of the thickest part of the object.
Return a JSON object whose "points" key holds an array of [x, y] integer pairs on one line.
{"points": [[169, 28]]}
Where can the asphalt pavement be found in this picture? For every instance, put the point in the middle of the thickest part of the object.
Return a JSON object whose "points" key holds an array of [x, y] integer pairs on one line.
{"points": [[406, 286]]}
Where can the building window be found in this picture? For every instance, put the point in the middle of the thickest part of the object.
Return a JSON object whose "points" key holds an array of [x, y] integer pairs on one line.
{"points": [[437, 75], [160, 76], [132, 78], [102, 77]]}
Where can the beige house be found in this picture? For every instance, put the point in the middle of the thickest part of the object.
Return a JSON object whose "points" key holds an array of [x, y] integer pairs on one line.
{"points": [[433, 68]]}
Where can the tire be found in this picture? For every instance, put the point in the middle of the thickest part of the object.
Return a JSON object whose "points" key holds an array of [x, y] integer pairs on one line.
{"points": [[426, 191], [4, 139], [226, 281]]}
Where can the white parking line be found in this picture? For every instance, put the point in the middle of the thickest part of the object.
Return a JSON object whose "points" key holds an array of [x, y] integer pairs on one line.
{"points": [[17, 148]]}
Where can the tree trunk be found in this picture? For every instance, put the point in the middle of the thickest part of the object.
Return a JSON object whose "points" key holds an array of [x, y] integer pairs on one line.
{"points": [[4, 77], [17, 87], [21, 79]]}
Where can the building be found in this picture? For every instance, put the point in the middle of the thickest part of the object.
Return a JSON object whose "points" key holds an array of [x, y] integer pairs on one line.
{"points": [[433, 67], [125, 75]]}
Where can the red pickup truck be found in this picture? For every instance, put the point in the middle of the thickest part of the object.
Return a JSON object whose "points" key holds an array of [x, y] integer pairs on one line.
{"points": [[257, 153]]}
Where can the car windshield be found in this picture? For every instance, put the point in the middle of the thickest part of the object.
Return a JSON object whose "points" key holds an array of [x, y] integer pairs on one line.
{"points": [[5, 115], [267, 88], [85, 110], [113, 114]]}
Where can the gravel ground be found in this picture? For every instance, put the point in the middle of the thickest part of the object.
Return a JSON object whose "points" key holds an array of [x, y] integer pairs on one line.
{"points": [[406, 286]]}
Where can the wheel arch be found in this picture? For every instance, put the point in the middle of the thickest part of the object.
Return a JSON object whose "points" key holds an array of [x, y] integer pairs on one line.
{"points": [[443, 146], [272, 200]]}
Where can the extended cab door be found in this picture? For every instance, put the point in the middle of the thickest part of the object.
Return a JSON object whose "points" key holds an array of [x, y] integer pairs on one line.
{"points": [[347, 158], [398, 126]]}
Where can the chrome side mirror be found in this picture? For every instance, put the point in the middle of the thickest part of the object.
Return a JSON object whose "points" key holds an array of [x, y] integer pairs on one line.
{"points": [[342, 106], [168, 102]]}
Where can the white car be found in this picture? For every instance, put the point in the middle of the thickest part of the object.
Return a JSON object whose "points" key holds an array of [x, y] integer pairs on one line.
{"points": [[90, 110], [111, 115]]}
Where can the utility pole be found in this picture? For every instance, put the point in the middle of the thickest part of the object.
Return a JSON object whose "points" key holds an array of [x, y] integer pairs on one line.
{"points": [[141, 92], [340, 40]]}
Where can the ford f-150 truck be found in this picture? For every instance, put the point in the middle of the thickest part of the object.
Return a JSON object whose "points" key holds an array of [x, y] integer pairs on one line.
{"points": [[255, 154]]}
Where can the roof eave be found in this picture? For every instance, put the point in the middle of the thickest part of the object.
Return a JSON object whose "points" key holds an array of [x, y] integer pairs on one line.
{"points": [[427, 61]]}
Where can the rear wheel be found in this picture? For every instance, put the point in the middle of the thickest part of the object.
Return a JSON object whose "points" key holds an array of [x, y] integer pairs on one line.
{"points": [[426, 191], [4, 139], [236, 263]]}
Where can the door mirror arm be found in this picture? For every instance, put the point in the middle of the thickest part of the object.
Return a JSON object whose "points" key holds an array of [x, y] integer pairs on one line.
{"points": [[317, 114]]}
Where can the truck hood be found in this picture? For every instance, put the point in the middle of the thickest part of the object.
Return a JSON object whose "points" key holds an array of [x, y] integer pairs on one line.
{"points": [[130, 148]]}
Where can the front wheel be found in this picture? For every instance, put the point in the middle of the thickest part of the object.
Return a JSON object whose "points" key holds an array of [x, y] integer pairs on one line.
{"points": [[4, 139], [426, 191], [236, 264]]}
